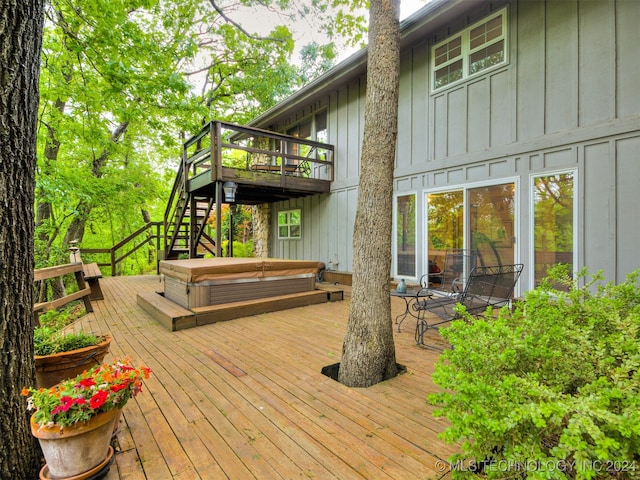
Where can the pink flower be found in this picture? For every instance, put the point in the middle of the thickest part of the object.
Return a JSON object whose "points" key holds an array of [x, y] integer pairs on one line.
{"points": [[66, 403]]}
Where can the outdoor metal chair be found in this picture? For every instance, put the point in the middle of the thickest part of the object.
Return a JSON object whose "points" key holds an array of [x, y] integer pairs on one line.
{"points": [[486, 286]]}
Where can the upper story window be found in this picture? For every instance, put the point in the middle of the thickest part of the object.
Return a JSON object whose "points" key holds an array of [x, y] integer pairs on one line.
{"points": [[472, 51]]}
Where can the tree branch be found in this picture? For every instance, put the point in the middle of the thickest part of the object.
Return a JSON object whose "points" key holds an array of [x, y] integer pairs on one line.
{"points": [[239, 27]]}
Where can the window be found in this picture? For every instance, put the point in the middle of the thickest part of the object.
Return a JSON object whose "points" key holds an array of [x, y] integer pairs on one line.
{"points": [[479, 218], [475, 50], [321, 127], [312, 128], [289, 224], [553, 222], [406, 235]]}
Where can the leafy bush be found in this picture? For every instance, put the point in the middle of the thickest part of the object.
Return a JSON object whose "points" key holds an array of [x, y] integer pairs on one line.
{"points": [[48, 341], [58, 319], [240, 250], [550, 390]]}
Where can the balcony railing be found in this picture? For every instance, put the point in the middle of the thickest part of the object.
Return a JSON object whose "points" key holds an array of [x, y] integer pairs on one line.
{"points": [[222, 144]]}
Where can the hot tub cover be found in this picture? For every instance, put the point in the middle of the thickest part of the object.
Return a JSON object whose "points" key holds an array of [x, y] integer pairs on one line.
{"points": [[196, 270]]}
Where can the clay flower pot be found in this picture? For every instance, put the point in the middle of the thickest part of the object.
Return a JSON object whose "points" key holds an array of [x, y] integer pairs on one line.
{"points": [[74, 420], [52, 369], [74, 450]]}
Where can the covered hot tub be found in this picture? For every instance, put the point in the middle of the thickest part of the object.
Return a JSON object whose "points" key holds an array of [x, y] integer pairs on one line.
{"points": [[200, 282]]}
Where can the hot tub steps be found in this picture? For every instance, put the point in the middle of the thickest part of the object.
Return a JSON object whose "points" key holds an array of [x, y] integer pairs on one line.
{"points": [[229, 311], [174, 317], [169, 314]]}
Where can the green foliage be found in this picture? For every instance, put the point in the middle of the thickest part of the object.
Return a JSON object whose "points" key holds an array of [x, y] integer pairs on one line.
{"points": [[244, 250], [58, 319], [550, 390], [121, 80], [119, 84], [48, 341]]}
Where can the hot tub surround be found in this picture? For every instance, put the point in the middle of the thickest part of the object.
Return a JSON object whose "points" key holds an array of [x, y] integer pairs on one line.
{"points": [[212, 281]]}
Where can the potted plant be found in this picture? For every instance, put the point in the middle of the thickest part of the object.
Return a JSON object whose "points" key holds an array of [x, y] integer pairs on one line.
{"points": [[74, 420], [60, 356]]}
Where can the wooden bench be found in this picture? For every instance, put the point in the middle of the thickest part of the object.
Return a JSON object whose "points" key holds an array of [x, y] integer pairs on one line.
{"points": [[92, 274], [84, 292]]}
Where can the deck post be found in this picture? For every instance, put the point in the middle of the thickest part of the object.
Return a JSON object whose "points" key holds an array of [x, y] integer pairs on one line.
{"points": [[218, 219]]}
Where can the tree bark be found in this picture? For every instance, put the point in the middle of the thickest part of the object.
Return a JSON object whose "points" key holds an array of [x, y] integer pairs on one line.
{"points": [[368, 353], [21, 24]]}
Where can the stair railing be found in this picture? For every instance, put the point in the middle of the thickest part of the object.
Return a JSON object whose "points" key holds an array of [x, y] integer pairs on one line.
{"points": [[146, 235]]}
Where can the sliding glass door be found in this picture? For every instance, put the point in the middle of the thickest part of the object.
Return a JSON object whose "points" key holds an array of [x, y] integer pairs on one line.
{"points": [[445, 225], [491, 223], [479, 220]]}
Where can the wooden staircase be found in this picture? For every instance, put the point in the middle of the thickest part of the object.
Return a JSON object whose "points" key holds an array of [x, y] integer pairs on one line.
{"points": [[264, 165]]}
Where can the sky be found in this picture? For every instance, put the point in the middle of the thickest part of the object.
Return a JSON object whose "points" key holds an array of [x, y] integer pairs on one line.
{"points": [[303, 32], [407, 7], [260, 21]]}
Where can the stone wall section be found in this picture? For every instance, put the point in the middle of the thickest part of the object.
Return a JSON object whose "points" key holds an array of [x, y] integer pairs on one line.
{"points": [[261, 226]]}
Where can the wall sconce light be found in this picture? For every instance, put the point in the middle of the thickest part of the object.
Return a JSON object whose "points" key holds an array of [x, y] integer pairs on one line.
{"points": [[229, 189]]}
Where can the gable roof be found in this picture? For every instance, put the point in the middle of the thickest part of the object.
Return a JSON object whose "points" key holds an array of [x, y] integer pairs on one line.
{"points": [[432, 16]]}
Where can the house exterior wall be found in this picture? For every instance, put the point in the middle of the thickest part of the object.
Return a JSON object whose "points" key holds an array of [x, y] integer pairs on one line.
{"points": [[568, 98]]}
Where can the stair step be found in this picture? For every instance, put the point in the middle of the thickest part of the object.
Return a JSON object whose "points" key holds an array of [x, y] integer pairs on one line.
{"points": [[229, 311], [170, 315]]}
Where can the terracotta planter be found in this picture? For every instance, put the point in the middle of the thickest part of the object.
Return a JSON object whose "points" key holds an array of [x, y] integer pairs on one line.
{"points": [[75, 450], [52, 369], [97, 472]]}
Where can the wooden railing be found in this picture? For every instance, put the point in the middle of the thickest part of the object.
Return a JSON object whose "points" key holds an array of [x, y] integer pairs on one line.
{"points": [[218, 145], [223, 144], [59, 271], [147, 234]]}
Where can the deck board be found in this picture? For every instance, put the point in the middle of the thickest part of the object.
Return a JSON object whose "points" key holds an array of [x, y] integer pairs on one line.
{"points": [[245, 398]]}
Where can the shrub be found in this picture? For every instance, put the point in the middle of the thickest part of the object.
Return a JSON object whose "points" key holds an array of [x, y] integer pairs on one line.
{"points": [[48, 341], [60, 318], [550, 389]]}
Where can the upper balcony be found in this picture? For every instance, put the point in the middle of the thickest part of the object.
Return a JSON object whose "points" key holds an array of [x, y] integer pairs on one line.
{"points": [[266, 166]]}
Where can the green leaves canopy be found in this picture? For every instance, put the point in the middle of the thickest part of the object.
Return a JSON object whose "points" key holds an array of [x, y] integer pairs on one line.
{"points": [[121, 80]]}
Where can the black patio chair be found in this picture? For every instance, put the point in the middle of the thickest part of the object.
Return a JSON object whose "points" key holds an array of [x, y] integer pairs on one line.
{"points": [[486, 286]]}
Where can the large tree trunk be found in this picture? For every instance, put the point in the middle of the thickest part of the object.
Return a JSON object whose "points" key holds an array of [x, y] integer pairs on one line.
{"points": [[21, 23], [368, 353]]}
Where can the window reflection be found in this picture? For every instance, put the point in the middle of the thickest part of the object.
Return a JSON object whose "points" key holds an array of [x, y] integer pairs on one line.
{"points": [[553, 222]]}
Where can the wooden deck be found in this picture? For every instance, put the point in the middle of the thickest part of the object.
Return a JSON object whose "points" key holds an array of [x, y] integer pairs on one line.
{"points": [[245, 398]]}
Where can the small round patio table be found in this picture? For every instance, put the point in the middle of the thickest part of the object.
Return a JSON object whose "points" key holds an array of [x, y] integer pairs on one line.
{"points": [[410, 297]]}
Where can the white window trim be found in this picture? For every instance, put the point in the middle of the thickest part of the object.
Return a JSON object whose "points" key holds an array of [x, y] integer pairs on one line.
{"points": [[394, 237], [288, 225], [466, 51], [531, 226]]}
